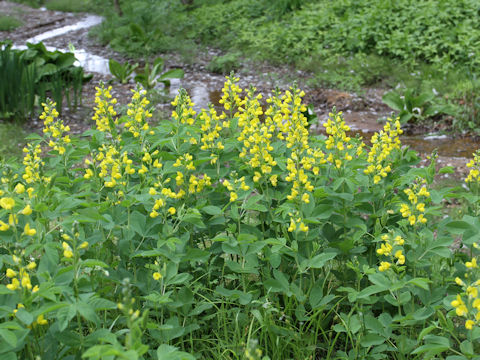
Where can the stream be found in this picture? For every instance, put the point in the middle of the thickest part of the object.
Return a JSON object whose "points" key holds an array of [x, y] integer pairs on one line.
{"points": [[208, 90]]}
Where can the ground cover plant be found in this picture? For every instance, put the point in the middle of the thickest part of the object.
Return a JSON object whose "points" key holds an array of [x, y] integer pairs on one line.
{"points": [[30, 75], [8, 23], [345, 44], [232, 234]]}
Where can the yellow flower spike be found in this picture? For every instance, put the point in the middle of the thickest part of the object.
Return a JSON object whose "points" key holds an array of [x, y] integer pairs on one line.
{"points": [[469, 324], [157, 276], [29, 231], [7, 203]]}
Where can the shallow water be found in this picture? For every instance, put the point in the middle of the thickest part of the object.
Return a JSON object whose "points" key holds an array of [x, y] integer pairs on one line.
{"points": [[87, 22]]}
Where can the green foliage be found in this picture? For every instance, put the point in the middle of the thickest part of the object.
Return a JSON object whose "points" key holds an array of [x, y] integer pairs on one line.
{"points": [[33, 74], [121, 72], [413, 107], [149, 77], [12, 140], [224, 64], [69, 5], [8, 23], [222, 236]]}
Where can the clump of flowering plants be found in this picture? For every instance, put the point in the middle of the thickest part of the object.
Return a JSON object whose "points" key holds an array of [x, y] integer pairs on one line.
{"points": [[232, 233]]}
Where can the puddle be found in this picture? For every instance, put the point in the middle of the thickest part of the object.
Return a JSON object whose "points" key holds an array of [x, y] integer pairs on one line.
{"points": [[87, 22]]}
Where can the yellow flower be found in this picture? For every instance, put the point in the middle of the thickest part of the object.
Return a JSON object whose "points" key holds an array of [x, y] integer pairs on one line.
{"points": [[157, 276], [469, 324], [27, 210], [472, 292], [67, 250], [384, 265], [11, 273], [305, 198], [14, 285], [7, 203], [28, 231], [172, 210], [303, 227], [19, 188], [35, 289], [32, 265], [3, 226], [233, 196], [83, 245], [471, 264], [41, 320]]}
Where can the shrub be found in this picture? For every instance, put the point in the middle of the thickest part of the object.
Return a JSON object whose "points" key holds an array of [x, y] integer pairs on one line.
{"points": [[231, 235]]}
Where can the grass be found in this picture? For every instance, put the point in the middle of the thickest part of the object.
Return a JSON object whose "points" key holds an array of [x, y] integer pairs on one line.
{"points": [[12, 140], [8, 23], [69, 5]]}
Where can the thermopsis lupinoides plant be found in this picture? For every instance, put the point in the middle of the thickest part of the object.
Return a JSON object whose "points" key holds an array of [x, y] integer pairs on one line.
{"points": [[233, 233]]}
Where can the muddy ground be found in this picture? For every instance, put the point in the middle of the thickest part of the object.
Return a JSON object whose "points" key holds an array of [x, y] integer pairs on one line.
{"points": [[361, 111]]}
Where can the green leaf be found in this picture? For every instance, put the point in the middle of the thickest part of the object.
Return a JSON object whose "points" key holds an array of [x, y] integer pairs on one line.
{"points": [[458, 226], [9, 337], [372, 340], [212, 210], [24, 316], [318, 261], [167, 352]]}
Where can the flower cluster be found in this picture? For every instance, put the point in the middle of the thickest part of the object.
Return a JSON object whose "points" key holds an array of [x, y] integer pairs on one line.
{"points": [[230, 99], [112, 165], [296, 223], [255, 137], [137, 113], [339, 144], [474, 164], [235, 186], [183, 113], [19, 275], [211, 126], [417, 196], [33, 165], [69, 245], [105, 114], [467, 303], [54, 128], [383, 144], [392, 248]]}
